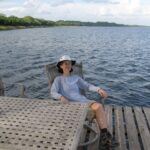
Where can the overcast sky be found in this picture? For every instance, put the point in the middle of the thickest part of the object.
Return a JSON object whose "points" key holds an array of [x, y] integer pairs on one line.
{"points": [[119, 11]]}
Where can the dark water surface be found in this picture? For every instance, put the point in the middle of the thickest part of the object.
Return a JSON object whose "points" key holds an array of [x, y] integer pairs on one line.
{"points": [[117, 59]]}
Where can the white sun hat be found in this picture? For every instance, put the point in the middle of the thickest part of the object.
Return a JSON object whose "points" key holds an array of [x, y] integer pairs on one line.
{"points": [[63, 58]]}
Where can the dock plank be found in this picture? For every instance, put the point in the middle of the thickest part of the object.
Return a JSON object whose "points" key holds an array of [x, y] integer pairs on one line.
{"points": [[119, 129], [108, 110], [147, 113], [95, 145], [144, 132], [132, 132]]}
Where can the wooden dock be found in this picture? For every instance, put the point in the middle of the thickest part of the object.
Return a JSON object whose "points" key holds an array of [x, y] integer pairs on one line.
{"points": [[130, 126], [32, 124]]}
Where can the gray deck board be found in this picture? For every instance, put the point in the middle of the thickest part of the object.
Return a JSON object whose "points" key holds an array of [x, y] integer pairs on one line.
{"points": [[144, 132], [108, 110], [95, 144], [119, 129], [130, 125], [147, 114]]}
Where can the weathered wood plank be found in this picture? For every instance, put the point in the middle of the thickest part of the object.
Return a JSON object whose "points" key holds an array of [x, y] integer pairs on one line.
{"points": [[147, 113], [132, 132], [144, 132], [119, 129], [82, 138], [108, 110], [95, 145]]}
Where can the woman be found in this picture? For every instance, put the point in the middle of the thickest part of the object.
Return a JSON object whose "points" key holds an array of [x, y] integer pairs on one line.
{"points": [[67, 88]]}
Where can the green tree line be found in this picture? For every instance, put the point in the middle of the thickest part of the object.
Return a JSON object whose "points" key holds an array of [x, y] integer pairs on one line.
{"points": [[30, 21], [25, 21]]}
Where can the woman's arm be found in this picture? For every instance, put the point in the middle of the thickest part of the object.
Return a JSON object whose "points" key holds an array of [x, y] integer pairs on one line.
{"points": [[87, 86]]}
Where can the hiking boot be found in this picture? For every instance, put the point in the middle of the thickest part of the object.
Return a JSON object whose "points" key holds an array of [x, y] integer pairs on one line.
{"points": [[105, 141]]}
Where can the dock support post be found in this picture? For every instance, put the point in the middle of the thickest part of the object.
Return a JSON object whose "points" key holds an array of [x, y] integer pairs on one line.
{"points": [[2, 93], [22, 91]]}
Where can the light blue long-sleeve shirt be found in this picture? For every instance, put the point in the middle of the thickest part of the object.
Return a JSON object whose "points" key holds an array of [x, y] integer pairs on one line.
{"points": [[70, 86]]}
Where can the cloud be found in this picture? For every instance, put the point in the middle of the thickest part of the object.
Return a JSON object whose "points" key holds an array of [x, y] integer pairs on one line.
{"points": [[63, 2], [121, 11]]}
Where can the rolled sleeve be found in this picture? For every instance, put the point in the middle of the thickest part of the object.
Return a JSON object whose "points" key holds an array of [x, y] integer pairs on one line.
{"points": [[93, 88]]}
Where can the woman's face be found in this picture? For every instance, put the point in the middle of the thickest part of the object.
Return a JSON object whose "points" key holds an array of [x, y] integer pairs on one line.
{"points": [[66, 66]]}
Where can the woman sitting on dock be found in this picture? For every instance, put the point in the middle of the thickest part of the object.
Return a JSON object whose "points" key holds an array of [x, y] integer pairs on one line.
{"points": [[67, 88]]}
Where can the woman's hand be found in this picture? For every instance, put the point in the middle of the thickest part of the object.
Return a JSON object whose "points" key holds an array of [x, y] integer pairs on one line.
{"points": [[64, 100], [103, 93]]}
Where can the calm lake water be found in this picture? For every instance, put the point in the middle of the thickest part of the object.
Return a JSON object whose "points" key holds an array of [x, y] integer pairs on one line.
{"points": [[115, 58]]}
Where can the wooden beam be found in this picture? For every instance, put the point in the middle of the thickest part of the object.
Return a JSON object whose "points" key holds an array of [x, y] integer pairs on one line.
{"points": [[132, 131], [147, 114], [119, 129], [108, 110], [144, 131], [2, 93], [95, 145], [22, 91]]}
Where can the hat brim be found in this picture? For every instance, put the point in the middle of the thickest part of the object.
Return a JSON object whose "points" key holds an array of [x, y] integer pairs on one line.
{"points": [[72, 61]]}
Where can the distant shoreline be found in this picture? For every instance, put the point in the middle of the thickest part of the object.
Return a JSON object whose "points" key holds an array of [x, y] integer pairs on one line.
{"points": [[5, 28], [13, 22]]}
